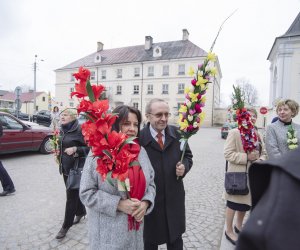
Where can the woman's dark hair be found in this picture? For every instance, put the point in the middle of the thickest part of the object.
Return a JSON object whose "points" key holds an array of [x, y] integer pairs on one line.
{"points": [[122, 111], [55, 108]]}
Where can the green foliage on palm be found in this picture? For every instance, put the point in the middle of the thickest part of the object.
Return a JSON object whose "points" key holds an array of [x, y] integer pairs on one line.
{"points": [[238, 100]]}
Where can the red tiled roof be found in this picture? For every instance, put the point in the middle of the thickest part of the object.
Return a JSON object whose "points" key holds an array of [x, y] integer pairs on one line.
{"points": [[25, 97]]}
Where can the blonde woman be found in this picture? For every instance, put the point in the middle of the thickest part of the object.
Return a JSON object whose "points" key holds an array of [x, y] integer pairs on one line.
{"points": [[72, 152], [277, 132]]}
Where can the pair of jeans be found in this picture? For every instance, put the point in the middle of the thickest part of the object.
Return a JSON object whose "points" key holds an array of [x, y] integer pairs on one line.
{"points": [[73, 206], [5, 179]]}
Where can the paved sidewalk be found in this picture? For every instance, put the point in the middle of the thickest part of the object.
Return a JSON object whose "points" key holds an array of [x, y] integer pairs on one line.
{"points": [[32, 216]]}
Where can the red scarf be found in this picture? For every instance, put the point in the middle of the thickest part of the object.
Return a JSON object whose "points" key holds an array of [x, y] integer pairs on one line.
{"points": [[137, 190]]}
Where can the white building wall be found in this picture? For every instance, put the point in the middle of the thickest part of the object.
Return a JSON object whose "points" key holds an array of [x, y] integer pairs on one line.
{"points": [[128, 80], [285, 70]]}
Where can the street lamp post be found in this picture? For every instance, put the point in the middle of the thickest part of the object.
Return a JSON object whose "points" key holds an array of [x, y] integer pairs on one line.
{"points": [[34, 86]]}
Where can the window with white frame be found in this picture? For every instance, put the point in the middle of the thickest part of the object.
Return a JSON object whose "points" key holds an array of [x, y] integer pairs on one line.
{"points": [[136, 89], [136, 72], [181, 69], [165, 70], [180, 88], [136, 105], [44, 98], [165, 89], [119, 90], [72, 78], [93, 75], [71, 104], [150, 89], [71, 90], [151, 71], [119, 73], [103, 74]]}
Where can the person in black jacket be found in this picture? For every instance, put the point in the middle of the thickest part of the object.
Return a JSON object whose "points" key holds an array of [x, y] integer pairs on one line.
{"points": [[7, 183], [274, 223], [72, 152], [167, 222]]}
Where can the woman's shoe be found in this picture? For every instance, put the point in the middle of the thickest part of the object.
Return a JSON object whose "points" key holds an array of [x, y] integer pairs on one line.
{"points": [[236, 230], [77, 219], [231, 240], [62, 233]]}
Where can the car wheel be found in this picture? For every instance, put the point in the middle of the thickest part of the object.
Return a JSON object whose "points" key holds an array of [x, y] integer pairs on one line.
{"points": [[46, 147]]}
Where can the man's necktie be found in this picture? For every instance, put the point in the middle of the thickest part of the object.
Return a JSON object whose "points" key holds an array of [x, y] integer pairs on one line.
{"points": [[159, 140]]}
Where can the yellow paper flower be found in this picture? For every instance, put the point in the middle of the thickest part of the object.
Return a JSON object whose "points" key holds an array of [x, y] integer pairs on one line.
{"points": [[186, 90], [191, 71], [183, 125], [203, 99], [183, 109], [201, 116], [211, 56], [201, 80], [213, 71], [203, 86], [193, 96]]}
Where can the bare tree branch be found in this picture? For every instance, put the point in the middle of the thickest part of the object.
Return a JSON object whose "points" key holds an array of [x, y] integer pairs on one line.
{"points": [[248, 90]]}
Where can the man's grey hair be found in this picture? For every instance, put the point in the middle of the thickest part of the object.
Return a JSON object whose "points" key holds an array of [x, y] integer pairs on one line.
{"points": [[149, 104]]}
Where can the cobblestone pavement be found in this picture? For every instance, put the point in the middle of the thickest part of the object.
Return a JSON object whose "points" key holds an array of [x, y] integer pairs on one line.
{"points": [[32, 216]]}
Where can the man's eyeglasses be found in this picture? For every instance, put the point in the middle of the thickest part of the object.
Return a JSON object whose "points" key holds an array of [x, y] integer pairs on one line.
{"points": [[160, 115]]}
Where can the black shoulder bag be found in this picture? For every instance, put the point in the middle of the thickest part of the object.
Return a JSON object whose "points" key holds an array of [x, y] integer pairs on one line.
{"points": [[236, 182], [73, 181]]}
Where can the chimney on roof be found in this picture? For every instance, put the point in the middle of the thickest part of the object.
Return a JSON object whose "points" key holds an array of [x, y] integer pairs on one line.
{"points": [[185, 35], [148, 42], [99, 46]]}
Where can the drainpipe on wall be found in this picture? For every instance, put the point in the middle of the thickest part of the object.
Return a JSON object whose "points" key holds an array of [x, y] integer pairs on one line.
{"points": [[142, 85]]}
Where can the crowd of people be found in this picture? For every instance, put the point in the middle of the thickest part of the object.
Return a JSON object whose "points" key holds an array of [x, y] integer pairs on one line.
{"points": [[282, 136], [116, 221]]}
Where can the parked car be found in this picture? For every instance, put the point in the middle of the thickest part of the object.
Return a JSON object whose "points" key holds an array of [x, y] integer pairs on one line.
{"points": [[23, 136], [18, 114], [226, 127], [43, 117]]}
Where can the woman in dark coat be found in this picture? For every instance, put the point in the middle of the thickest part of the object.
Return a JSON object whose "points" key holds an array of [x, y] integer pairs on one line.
{"points": [[72, 152]]}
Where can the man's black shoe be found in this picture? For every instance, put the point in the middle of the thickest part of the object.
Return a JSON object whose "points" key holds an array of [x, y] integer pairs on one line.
{"points": [[62, 233], [7, 192]]}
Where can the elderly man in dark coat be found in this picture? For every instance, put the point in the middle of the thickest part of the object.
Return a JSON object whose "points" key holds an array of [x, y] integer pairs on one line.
{"points": [[166, 223]]}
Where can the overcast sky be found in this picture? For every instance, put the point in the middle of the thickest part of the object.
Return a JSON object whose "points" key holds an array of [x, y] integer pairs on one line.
{"points": [[62, 31]]}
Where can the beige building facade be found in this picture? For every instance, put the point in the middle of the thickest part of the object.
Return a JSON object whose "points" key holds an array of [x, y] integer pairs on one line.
{"points": [[134, 75]]}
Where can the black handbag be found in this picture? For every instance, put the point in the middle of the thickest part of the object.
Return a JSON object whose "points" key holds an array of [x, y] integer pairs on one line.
{"points": [[73, 181], [236, 182]]}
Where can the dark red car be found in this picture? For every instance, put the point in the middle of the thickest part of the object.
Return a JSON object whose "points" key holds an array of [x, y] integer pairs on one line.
{"points": [[23, 136]]}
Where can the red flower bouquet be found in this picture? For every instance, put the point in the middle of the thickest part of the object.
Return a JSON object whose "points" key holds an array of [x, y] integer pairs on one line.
{"points": [[245, 126], [117, 154]]}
